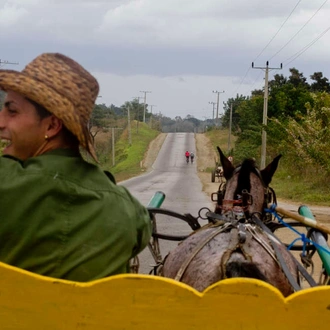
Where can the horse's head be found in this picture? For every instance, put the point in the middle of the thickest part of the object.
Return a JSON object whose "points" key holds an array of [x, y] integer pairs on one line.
{"points": [[246, 185]]}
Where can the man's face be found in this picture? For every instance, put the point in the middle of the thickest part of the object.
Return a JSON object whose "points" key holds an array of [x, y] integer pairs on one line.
{"points": [[21, 127]]}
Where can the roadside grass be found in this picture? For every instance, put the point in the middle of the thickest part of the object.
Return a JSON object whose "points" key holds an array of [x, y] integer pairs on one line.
{"points": [[309, 189], [128, 158], [219, 137]]}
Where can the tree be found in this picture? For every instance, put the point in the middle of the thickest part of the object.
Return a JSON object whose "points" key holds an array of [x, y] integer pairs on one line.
{"points": [[193, 120], [296, 78], [320, 84], [278, 82], [137, 110], [288, 97], [97, 121], [235, 102], [250, 112], [307, 141]]}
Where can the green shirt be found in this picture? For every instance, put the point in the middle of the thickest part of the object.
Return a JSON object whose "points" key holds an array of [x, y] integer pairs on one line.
{"points": [[63, 217]]}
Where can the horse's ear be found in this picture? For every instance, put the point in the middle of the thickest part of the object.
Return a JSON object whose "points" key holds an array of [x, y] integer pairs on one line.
{"points": [[268, 172], [227, 166]]}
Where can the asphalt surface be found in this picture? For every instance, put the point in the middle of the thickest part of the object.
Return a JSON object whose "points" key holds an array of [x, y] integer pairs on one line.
{"points": [[181, 185]]}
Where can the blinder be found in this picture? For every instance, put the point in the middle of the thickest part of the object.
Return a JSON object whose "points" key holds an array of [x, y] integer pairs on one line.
{"points": [[245, 199]]}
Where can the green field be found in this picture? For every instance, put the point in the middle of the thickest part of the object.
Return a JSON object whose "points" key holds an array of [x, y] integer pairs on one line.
{"points": [[309, 188], [128, 157]]}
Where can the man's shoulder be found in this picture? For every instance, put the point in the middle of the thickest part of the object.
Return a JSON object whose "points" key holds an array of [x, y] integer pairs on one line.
{"points": [[67, 167]]}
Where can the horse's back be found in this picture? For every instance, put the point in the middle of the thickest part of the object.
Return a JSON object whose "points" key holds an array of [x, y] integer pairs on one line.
{"points": [[203, 258]]}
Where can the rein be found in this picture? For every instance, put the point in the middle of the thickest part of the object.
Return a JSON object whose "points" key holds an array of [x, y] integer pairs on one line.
{"points": [[289, 276], [240, 234], [238, 209], [271, 247]]}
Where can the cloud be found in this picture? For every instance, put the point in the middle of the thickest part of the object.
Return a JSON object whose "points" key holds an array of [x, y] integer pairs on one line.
{"points": [[158, 24], [188, 44], [10, 15]]}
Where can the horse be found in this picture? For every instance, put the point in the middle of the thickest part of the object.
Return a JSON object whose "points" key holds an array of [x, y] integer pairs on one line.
{"points": [[234, 243]]}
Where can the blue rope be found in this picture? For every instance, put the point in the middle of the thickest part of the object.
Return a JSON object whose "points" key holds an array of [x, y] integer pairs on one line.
{"points": [[301, 237]]}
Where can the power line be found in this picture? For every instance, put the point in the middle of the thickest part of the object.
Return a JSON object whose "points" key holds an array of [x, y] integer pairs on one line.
{"points": [[301, 51], [240, 84], [258, 77], [299, 29], [280, 28], [249, 68]]}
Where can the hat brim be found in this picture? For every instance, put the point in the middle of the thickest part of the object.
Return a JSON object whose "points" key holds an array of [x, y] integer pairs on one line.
{"points": [[51, 100]]}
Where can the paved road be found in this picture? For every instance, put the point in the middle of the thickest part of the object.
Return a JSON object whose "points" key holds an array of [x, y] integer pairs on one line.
{"points": [[181, 185]]}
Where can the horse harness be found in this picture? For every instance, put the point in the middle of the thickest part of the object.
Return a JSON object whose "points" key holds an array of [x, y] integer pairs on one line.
{"points": [[244, 228], [245, 198], [241, 235]]}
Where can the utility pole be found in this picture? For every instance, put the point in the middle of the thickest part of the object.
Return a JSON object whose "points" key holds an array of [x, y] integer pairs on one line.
{"points": [[205, 119], [144, 106], [113, 144], [4, 62], [264, 117], [213, 104], [151, 106], [217, 118], [230, 120], [137, 114], [129, 126]]}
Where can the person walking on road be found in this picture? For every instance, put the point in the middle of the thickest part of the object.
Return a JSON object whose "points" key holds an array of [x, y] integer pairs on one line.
{"points": [[187, 156], [192, 155]]}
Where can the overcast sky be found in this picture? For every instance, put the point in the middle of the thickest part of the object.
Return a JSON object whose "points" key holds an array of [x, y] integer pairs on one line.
{"points": [[180, 50]]}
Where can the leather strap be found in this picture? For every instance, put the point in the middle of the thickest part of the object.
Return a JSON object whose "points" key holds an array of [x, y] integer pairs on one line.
{"points": [[284, 266], [197, 248]]}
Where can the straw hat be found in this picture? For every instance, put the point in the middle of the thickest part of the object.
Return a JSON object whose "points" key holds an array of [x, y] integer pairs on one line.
{"points": [[63, 87]]}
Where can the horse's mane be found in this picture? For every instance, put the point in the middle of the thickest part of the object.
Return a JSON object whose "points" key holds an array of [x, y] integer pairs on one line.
{"points": [[243, 181]]}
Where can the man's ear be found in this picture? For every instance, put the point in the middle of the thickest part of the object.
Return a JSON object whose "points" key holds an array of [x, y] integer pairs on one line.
{"points": [[53, 126]]}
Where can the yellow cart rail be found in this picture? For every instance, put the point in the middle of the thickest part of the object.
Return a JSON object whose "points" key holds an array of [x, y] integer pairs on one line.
{"points": [[29, 301]]}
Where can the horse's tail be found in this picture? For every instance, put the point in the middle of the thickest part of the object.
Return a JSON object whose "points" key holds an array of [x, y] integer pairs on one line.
{"points": [[244, 269]]}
